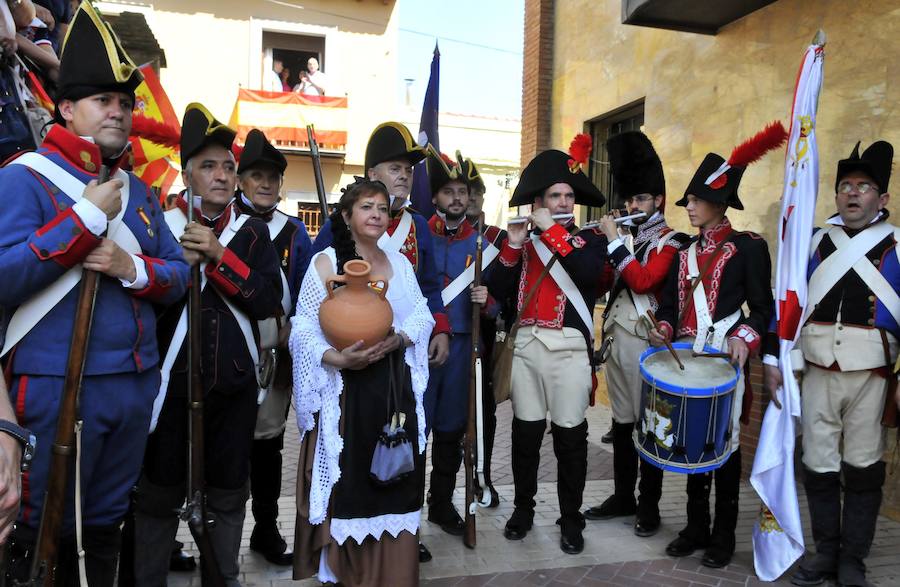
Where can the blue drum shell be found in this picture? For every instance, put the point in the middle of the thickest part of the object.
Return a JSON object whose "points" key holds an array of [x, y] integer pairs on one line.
{"points": [[690, 429]]}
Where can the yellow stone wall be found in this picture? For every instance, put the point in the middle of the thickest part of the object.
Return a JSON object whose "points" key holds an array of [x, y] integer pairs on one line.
{"points": [[708, 93]]}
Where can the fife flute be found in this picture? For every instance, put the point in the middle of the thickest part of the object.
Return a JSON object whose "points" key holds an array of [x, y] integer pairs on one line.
{"points": [[618, 220], [524, 219]]}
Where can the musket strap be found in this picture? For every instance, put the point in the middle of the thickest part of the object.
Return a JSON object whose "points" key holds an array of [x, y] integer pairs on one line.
{"points": [[79, 539]]}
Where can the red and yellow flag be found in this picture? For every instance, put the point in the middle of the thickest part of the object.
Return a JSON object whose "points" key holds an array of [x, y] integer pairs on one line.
{"points": [[155, 140], [283, 116]]}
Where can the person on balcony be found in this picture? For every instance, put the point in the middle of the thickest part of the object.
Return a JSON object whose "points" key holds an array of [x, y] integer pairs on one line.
{"points": [[312, 81], [272, 77]]}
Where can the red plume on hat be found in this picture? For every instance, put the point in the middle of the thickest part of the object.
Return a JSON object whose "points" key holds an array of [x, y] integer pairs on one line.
{"points": [[771, 137], [143, 127], [579, 151]]}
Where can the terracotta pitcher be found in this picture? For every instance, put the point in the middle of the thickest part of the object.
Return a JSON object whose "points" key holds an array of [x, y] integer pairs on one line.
{"points": [[356, 311]]}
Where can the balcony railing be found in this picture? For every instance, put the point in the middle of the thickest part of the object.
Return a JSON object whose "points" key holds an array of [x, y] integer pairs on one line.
{"points": [[283, 116]]}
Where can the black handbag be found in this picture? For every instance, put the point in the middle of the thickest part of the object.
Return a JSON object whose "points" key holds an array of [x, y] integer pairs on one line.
{"points": [[393, 458]]}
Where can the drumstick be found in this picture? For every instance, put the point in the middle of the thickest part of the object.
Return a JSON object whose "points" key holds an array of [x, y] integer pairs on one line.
{"points": [[667, 343], [712, 355]]}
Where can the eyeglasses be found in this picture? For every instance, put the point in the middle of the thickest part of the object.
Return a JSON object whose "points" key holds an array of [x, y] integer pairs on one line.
{"points": [[640, 199], [862, 188]]}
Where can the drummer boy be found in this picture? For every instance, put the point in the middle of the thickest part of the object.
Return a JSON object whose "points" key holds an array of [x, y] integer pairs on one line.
{"points": [[734, 268]]}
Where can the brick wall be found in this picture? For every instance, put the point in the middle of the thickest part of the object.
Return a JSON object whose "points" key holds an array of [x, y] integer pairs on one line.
{"points": [[537, 78]]}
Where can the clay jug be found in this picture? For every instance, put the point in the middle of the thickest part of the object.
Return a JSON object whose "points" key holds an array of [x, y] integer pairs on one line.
{"points": [[356, 311]]}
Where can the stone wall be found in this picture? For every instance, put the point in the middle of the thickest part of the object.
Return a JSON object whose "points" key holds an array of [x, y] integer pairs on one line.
{"points": [[708, 93]]}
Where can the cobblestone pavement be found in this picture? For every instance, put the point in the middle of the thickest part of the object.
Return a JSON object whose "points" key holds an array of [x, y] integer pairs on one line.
{"points": [[613, 555]]}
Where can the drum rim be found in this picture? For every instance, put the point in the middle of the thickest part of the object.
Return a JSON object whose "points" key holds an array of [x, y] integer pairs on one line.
{"points": [[695, 392]]}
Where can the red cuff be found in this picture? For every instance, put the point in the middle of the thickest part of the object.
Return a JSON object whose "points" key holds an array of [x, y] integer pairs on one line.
{"points": [[557, 238], [510, 256], [67, 253], [441, 324], [223, 273], [157, 286], [749, 336]]}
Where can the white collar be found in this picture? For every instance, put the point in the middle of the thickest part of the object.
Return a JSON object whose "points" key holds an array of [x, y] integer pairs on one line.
{"points": [[836, 220]]}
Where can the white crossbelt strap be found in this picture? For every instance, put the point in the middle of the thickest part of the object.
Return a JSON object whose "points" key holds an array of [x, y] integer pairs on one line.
{"points": [[850, 252], [565, 283], [395, 241], [39, 305], [863, 267], [177, 222], [708, 332], [275, 226], [464, 279], [641, 301]]}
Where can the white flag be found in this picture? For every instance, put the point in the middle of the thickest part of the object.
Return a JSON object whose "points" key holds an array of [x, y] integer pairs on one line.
{"points": [[778, 535]]}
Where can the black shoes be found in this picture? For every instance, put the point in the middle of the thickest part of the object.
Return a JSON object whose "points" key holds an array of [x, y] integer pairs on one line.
{"points": [[449, 519], [519, 525], [685, 545], [608, 437], [718, 555], [646, 527], [613, 507], [495, 497], [180, 561], [267, 541], [807, 577], [424, 553], [571, 542]]}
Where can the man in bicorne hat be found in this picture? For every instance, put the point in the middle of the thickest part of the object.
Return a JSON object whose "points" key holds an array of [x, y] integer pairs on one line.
{"points": [[60, 222], [551, 367], [849, 346], [706, 309], [447, 396], [641, 255], [241, 285], [260, 178]]}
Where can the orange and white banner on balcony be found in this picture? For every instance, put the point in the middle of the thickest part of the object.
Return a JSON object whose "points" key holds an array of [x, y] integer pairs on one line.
{"points": [[283, 116]]}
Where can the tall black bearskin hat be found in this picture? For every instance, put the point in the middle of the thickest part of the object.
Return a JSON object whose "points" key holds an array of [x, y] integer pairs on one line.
{"points": [[875, 162], [470, 172], [552, 167], [717, 180], [92, 60], [391, 141], [199, 129], [258, 151], [442, 170], [635, 166]]}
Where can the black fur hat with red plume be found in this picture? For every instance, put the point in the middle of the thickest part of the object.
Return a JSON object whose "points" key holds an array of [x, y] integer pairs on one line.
{"points": [[717, 180], [635, 166]]}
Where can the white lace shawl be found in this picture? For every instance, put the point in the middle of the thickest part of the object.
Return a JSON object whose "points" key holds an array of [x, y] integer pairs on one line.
{"points": [[317, 388]]}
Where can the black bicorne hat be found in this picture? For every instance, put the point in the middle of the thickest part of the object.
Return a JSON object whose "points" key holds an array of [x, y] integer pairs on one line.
{"points": [[717, 180], [552, 167], [875, 162], [723, 190], [258, 151], [442, 170], [635, 166], [92, 59], [391, 141], [199, 129], [470, 172]]}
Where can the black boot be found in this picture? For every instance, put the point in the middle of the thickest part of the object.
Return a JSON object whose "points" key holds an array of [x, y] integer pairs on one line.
{"points": [[649, 493], [625, 468], [446, 458], [823, 494], [728, 488], [101, 546], [265, 487], [696, 534], [526, 456], [862, 500], [570, 448]]}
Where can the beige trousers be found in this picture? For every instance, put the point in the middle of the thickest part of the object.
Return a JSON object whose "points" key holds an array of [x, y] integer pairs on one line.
{"points": [[550, 373], [623, 374], [841, 418]]}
